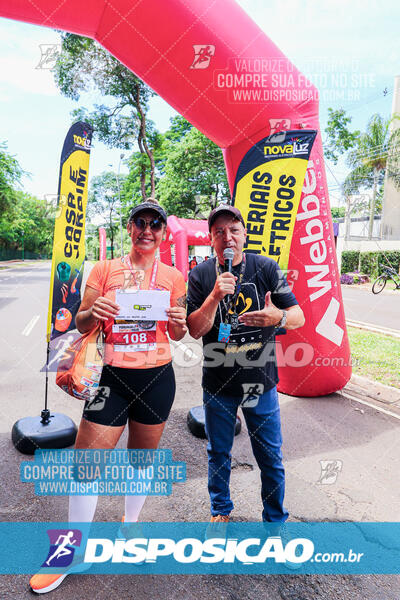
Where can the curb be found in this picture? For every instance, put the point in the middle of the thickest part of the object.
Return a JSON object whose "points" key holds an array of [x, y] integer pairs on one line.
{"points": [[368, 288], [374, 390], [383, 398], [373, 328]]}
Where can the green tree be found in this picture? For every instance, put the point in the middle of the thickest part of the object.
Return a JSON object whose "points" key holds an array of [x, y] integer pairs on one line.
{"points": [[134, 193], [92, 243], [30, 219], [339, 141], [10, 175], [161, 145], [193, 177], [367, 161], [83, 65], [368, 155], [178, 129], [103, 203], [338, 212], [340, 138]]}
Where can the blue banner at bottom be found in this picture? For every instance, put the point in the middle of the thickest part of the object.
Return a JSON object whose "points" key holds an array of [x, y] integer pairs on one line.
{"points": [[200, 548]]}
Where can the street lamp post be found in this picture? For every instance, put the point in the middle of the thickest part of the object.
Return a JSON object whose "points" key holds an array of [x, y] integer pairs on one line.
{"points": [[23, 245]]}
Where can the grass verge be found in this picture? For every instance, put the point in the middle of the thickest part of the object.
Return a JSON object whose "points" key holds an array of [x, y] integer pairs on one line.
{"points": [[375, 356]]}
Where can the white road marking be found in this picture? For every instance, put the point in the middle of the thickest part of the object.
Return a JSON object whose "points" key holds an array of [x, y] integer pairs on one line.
{"points": [[30, 325]]}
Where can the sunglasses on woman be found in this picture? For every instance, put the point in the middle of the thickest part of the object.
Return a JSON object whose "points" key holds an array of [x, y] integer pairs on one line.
{"points": [[155, 224]]}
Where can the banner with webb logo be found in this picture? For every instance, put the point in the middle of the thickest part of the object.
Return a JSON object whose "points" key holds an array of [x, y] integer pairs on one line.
{"points": [[69, 231], [267, 191]]}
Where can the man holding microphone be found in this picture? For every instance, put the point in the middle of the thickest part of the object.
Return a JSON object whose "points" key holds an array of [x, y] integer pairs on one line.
{"points": [[236, 302]]}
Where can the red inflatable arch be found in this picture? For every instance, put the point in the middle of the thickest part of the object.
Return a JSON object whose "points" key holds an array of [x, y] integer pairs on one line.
{"points": [[216, 67], [183, 233]]}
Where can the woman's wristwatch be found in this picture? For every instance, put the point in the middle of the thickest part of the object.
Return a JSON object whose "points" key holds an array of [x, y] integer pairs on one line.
{"points": [[282, 322]]}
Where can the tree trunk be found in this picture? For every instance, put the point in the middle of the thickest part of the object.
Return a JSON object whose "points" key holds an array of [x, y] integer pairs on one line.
{"points": [[372, 207], [144, 149], [216, 194]]}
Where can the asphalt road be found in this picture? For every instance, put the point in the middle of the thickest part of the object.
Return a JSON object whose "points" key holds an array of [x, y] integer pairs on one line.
{"points": [[381, 309], [364, 440]]}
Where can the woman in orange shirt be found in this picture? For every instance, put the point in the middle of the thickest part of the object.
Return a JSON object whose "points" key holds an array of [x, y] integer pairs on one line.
{"points": [[137, 383]]}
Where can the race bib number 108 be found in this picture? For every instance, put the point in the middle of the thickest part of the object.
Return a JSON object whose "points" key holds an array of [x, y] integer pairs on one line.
{"points": [[127, 338]]}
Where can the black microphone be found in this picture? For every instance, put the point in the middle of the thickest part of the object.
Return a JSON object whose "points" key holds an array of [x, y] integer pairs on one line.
{"points": [[228, 258]]}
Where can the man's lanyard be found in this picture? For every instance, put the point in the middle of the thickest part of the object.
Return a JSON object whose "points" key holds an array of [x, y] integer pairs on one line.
{"points": [[153, 273], [232, 304]]}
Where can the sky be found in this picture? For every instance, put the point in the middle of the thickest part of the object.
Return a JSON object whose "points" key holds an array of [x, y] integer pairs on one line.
{"points": [[351, 51]]}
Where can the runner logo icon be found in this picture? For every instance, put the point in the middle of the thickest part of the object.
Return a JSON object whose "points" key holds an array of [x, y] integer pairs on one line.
{"points": [[49, 55], [279, 125], [62, 547], [251, 394], [202, 56], [330, 470]]}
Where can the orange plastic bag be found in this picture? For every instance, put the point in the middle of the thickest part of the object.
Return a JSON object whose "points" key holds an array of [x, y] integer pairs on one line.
{"points": [[79, 369]]}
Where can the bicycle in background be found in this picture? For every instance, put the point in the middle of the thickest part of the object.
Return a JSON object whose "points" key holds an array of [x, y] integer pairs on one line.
{"points": [[380, 282]]}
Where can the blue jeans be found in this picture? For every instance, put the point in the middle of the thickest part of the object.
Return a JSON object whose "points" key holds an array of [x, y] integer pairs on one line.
{"points": [[264, 426]]}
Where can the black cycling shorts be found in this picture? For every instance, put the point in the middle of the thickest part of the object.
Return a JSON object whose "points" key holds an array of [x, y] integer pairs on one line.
{"points": [[143, 395]]}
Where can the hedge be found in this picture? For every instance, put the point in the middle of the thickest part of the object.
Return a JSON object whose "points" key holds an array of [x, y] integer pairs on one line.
{"points": [[350, 261], [369, 263], [11, 254]]}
